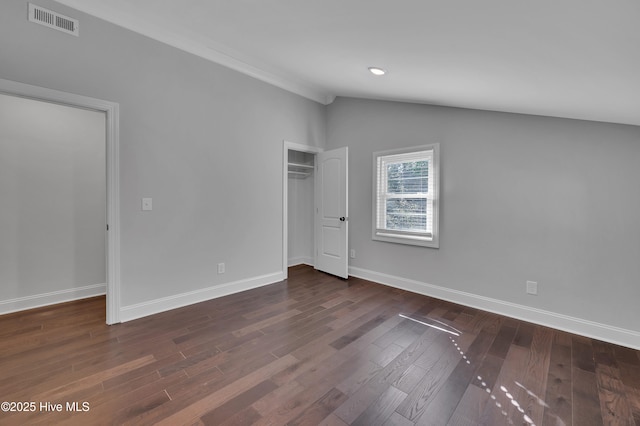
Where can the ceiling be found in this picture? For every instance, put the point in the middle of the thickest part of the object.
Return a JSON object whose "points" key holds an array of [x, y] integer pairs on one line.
{"points": [[569, 58]]}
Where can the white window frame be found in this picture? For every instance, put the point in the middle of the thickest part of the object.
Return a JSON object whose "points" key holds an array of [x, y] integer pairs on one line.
{"points": [[380, 233]]}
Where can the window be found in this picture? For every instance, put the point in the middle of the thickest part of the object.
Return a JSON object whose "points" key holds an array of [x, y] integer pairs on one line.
{"points": [[405, 196]]}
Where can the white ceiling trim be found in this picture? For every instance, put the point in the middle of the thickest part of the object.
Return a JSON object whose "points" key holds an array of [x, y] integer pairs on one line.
{"points": [[205, 52]]}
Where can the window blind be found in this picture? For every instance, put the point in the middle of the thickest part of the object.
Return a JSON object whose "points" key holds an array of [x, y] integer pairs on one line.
{"points": [[404, 195]]}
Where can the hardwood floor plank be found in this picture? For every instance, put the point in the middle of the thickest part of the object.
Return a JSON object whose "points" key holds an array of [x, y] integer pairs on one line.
{"points": [[227, 410], [267, 403], [524, 335], [240, 367], [582, 354], [487, 321], [93, 379], [248, 416], [613, 399], [379, 412], [366, 395], [413, 332], [500, 410], [51, 352], [453, 310], [410, 378], [332, 420], [320, 409], [443, 401], [471, 407], [305, 364], [630, 375], [361, 307], [313, 349], [140, 406], [502, 342], [558, 394], [488, 372], [586, 400], [382, 357], [353, 351], [306, 351], [397, 420], [125, 378], [478, 395], [320, 382], [106, 404], [202, 406], [534, 382], [359, 378], [438, 362], [603, 354], [626, 355], [353, 335], [301, 341], [395, 334], [270, 320]]}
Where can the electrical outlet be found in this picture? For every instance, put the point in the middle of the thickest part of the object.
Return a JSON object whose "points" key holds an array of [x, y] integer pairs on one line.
{"points": [[352, 254], [532, 287], [221, 268]]}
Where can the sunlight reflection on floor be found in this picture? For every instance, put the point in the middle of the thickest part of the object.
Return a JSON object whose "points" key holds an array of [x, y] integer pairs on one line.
{"points": [[441, 326]]}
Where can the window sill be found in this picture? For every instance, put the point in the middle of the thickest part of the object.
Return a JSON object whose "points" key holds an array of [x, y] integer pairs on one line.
{"points": [[412, 240]]}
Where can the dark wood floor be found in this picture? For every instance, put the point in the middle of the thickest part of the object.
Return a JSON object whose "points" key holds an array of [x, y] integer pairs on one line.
{"points": [[311, 350]]}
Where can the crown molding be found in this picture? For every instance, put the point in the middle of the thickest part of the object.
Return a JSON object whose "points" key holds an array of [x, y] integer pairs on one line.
{"points": [[196, 48]]}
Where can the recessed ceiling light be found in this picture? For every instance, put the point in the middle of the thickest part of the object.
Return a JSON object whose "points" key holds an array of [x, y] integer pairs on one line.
{"points": [[377, 71]]}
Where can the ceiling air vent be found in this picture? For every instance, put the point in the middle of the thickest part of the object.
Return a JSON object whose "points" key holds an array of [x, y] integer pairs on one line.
{"points": [[54, 20]]}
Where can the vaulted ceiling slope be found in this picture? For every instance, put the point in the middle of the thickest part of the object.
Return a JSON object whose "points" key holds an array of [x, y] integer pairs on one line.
{"points": [[569, 58]]}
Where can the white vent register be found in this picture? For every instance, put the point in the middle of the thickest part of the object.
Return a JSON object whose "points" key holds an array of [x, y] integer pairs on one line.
{"points": [[52, 19]]}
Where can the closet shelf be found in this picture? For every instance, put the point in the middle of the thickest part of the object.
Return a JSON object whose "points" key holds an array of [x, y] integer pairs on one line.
{"points": [[301, 166], [299, 170], [299, 175]]}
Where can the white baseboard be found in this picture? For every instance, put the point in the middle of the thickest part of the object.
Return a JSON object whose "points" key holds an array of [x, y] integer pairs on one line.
{"points": [[139, 310], [51, 298], [300, 260], [608, 333]]}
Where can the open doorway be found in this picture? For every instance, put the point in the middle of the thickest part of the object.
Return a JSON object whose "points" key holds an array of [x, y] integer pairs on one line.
{"points": [[61, 223], [298, 205], [315, 208]]}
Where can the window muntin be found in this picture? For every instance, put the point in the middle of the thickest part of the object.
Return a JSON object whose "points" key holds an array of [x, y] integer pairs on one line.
{"points": [[406, 195]]}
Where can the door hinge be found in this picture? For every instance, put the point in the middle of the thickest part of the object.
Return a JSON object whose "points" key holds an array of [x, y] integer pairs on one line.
{"points": [[107, 226]]}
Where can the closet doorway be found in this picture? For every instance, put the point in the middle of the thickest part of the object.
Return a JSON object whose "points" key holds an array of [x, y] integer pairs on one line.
{"points": [[315, 208]]}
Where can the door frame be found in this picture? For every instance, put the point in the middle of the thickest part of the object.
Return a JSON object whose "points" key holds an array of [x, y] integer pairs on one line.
{"points": [[112, 140], [286, 146]]}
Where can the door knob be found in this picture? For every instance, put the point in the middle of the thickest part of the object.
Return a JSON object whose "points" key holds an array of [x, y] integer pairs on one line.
{"points": [[342, 219]]}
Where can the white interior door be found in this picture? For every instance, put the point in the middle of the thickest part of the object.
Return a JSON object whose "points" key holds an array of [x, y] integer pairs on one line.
{"points": [[332, 215]]}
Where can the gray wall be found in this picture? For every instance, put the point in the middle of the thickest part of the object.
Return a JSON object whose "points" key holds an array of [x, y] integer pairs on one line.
{"points": [[52, 187], [523, 198], [203, 141]]}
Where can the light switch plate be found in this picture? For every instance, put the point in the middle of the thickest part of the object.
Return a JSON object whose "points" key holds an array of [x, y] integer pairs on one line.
{"points": [[147, 204]]}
